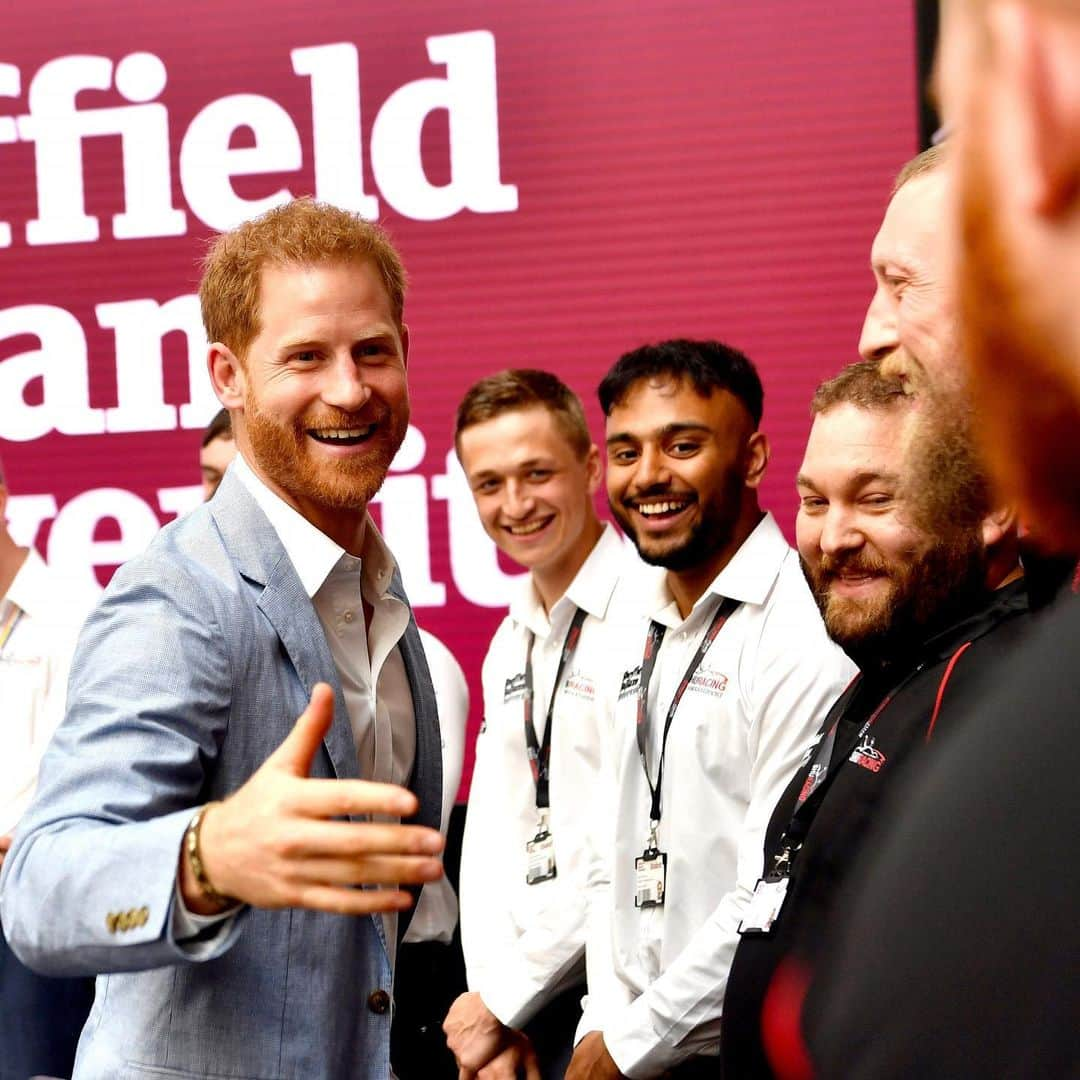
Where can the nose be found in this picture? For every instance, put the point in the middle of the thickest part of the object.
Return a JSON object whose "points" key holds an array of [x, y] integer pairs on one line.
{"points": [[519, 502], [652, 470], [879, 332], [344, 386], [839, 533]]}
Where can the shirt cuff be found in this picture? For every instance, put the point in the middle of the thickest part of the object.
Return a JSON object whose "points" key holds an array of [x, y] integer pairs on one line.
{"points": [[634, 1045], [197, 936]]}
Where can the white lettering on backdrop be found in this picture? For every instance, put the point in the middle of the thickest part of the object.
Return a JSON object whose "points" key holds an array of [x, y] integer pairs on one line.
{"points": [[56, 124]]}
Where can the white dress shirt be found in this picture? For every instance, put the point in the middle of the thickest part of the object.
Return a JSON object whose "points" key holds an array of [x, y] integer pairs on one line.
{"points": [[436, 911], [34, 665], [369, 664], [657, 975], [524, 943]]}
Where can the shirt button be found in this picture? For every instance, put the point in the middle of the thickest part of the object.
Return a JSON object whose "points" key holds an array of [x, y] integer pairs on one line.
{"points": [[348, 616], [379, 1002]]}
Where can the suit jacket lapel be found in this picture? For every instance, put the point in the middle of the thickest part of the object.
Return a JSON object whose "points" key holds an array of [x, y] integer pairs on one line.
{"points": [[259, 556]]}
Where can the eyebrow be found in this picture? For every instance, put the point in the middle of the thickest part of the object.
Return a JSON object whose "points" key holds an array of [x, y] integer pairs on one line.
{"points": [[857, 480], [531, 463], [675, 428]]}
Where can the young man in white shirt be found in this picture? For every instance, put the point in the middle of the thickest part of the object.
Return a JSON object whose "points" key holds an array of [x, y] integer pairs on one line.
{"points": [[721, 688], [528, 457], [40, 617]]}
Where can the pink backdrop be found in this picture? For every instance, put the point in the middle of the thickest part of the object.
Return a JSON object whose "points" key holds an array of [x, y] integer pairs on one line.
{"points": [[566, 181]]}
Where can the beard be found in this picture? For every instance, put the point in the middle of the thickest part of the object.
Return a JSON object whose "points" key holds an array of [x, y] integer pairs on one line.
{"points": [[925, 591], [712, 532], [285, 454], [1022, 375]]}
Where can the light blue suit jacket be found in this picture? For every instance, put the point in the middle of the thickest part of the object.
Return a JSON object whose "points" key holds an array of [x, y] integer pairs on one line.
{"points": [[191, 671]]}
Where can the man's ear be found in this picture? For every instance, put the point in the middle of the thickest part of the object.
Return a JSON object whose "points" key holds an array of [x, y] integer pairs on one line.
{"points": [[997, 525], [226, 375], [593, 471], [405, 345], [757, 459], [1034, 53]]}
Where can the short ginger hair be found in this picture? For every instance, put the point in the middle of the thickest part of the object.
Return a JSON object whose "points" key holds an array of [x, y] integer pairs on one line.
{"points": [[299, 233]]}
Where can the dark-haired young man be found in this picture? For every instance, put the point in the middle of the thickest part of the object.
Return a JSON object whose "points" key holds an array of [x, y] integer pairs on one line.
{"points": [[528, 457], [720, 689], [918, 578], [218, 450]]}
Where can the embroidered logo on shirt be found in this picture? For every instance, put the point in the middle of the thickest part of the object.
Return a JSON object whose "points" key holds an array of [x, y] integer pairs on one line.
{"points": [[708, 681], [579, 685], [867, 756], [630, 681], [514, 687]]}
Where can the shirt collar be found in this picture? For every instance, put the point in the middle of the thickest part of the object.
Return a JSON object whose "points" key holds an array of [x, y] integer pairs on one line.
{"points": [[312, 553], [748, 577], [591, 590]]}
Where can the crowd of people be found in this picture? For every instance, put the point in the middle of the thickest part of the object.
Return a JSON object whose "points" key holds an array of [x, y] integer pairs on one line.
{"points": [[738, 809]]}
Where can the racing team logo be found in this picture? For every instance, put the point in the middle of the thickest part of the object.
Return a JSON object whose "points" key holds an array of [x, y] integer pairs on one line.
{"points": [[867, 756]]}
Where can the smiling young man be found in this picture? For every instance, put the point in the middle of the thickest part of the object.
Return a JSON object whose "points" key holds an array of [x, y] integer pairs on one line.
{"points": [[720, 689], [199, 844], [528, 457], [917, 578]]}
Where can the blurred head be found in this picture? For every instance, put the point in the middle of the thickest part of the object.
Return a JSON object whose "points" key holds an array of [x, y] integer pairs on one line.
{"points": [[303, 309], [685, 457], [218, 449], [912, 323], [1008, 81], [890, 542], [524, 445]]}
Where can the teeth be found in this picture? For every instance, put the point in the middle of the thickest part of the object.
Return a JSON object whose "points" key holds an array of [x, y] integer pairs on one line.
{"points": [[526, 529], [649, 509], [345, 433]]}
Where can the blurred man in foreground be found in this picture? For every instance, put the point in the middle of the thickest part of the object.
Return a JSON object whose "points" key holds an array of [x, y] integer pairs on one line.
{"points": [[956, 954]]}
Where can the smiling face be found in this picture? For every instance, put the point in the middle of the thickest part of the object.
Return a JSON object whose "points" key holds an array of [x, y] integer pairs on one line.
{"points": [[874, 570], [533, 491], [681, 474], [911, 323], [319, 402]]}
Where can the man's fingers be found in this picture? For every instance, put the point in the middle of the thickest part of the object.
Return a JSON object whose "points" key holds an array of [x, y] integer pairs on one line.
{"points": [[349, 839], [369, 870], [295, 754], [345, 798], [346, 901]]}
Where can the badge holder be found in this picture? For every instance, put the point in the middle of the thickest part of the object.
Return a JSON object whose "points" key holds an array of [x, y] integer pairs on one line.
{"points": [[540, 852], [768, 899], [650, 873]]}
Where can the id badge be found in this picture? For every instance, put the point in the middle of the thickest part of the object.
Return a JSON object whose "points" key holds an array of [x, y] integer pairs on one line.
{"points": [[540, 853], [764, 907], [650, 878]]}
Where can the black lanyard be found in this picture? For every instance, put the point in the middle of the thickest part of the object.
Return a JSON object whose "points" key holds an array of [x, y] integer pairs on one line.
{"points": [[652, 646], [824, 769], [540, 752]]}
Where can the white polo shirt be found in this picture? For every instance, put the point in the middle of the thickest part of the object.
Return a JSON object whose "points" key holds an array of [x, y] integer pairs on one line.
{"points": [[657, 975], [524, 943]]}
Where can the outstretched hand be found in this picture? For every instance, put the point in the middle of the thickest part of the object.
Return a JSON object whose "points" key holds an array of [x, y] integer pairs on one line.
{"points": [[272, 843]]}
